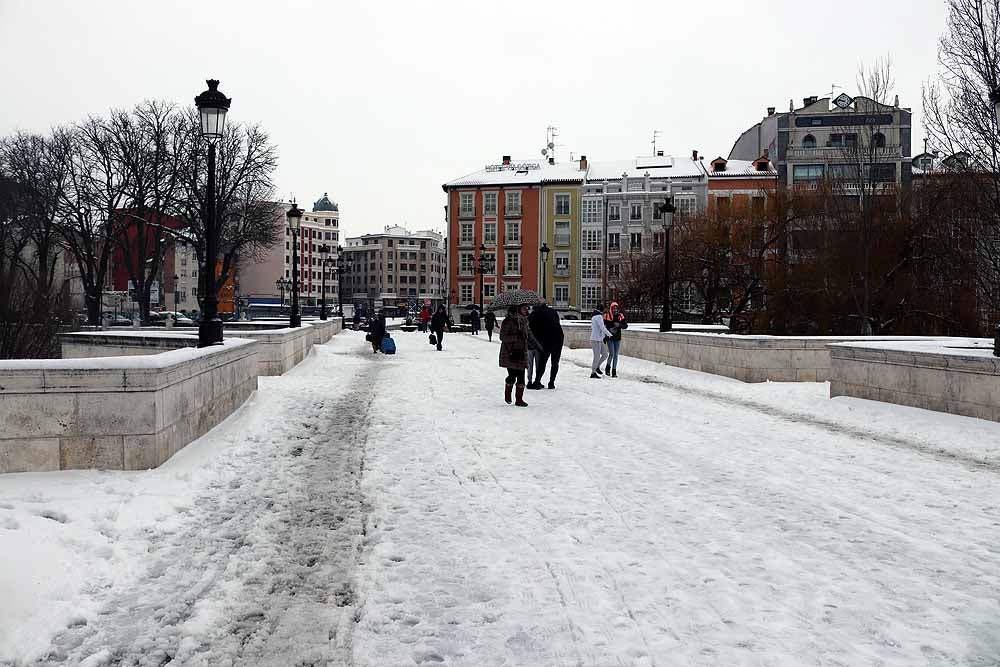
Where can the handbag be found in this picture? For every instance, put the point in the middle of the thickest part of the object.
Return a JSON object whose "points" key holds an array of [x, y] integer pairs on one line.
{"points": [[368, 337], [432, 339]]}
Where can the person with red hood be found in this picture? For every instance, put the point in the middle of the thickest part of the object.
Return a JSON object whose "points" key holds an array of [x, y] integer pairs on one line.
{"points": [[425, 317], [614, 320]]}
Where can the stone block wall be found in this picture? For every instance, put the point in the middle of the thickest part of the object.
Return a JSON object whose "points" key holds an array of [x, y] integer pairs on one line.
{"points": [[90, 344], [125, 413], [934, 378]]}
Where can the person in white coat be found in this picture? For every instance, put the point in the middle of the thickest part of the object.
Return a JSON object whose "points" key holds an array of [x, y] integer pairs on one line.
{"points": [[598, 333]]}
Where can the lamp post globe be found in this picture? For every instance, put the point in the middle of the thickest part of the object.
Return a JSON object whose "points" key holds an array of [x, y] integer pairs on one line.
{"points": [[544, 251], [212, 108], [294, 216]]}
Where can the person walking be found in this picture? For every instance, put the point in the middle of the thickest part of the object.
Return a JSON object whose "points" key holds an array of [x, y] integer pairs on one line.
{"points": [[474, 321], [357, 319], [545, 325], [376, 331], [490, 321], [438, 322], [425, 317], [614, 320], [598, 334], [515, 341]]}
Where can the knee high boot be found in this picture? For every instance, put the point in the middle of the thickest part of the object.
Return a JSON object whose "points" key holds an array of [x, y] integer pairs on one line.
{"points": [[520, 397], [507, 388]]}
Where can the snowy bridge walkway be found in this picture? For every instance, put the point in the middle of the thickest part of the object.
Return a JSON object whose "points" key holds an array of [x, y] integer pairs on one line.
{"points": [[381, 512]]}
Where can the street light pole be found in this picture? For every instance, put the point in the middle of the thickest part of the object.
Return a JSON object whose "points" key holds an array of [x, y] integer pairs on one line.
{"points": [[324, 250], [212, 107], [294, 216], [545, 260], [667, 211], [995, 99], [340, 286]]}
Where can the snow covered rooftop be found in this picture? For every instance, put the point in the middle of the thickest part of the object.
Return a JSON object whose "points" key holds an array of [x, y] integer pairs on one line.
{"points": [[744, 169], [539, 172]]}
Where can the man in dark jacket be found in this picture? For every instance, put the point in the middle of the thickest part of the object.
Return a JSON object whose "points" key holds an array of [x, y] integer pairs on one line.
{"points": [[438, 322], [544, 323], [474, 321]]}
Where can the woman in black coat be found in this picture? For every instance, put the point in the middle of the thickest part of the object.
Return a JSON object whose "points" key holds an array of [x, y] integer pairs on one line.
{"points": [[376, 332], [490, 321], [438, 322]]}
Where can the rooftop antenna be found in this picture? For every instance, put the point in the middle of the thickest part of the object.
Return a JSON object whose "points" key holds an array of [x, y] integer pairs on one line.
{"points": [[926, 139], [551, 132], [833, 88], [656, 135]]}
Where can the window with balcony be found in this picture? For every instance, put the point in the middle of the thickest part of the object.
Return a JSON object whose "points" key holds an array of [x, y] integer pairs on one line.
{"points": [[635, 212], [562, 232], [561, 294], [562, 204], [561, 267], [512, 233], [466, 235], [489, 203], [512, 203], [512, 263], [635, 241], [809, 141], [614, 212], [614, 241], [490, 233], [466, 204]]}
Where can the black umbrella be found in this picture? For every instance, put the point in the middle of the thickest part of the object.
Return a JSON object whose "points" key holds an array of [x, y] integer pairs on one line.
{"points": [[516, 297]]}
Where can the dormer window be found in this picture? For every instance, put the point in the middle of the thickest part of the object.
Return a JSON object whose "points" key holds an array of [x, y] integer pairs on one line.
{"points": [[762, 165], [809, 141], [719, 165]]}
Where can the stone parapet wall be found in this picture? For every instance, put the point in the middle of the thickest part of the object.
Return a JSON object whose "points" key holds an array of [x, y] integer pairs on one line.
{"points": [[96, 344], [940, 377], [746, 358], [124, 413]]}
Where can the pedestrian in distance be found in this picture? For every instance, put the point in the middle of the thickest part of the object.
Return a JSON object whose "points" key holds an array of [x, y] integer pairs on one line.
{"points": [[614, 320], [546, 327], [490, 322], [376, 331], [425, 318], [438, 323], [515, 341], [357, 319], [598, 334], [474, 321]]}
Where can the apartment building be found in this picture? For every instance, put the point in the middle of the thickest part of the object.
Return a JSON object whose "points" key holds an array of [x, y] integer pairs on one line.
{"points": [[395, 267], [560, 212]]}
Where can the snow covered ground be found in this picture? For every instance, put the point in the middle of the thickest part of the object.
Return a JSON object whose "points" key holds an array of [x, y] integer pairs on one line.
{"points": [[382, 511]]}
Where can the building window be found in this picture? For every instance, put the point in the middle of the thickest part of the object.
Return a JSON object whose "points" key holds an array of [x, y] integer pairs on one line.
{"points": [[512, 232], [592, 239], [614, 241], [489, 203], [562, 264], [614, 212], [658, 240], [465, 263], [490, 233], [562, 204], [809, 141], [562, 232], [635, 212], [466, 235], [590, 297], [465, 293], [635, 241], [466, 206], [592, 212], [807, 173], [512, 263], [512, 203], [489, 290], [614, 270], [561, 295], [590, 268], [685, 205], [511, 286], [878, 140]]}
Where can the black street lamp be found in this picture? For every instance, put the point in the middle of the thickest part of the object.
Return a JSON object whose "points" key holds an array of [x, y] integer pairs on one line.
{"points": [[281, 284], [212, 106], [176, 292], [666, 209], [995, 100], [449, 304], [341, 261], [294, 216], [484, 264], [544, 250], [325, 261]]}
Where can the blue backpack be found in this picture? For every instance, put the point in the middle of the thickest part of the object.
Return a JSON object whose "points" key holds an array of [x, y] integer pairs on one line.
{"points": [[388, 345]]}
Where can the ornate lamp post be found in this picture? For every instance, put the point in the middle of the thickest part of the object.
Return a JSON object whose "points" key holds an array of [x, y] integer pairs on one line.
{"points": [[450, 301], [282, 285], [340, 285], [995, 99], [176, 291], [545, 250], [212, 107], [484, 265], [325, 261], [294, 216], [666, 209]]}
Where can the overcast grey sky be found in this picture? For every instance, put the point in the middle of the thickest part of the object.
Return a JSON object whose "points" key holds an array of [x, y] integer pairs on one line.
{"points": [[379, 103]]}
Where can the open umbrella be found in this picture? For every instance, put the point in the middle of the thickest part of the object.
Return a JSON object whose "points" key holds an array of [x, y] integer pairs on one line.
{"points": [[515, 297]]}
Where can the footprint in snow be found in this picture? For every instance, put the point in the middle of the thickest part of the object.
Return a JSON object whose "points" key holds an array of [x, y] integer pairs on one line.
{"points": [[9, 523], [54, 515]]}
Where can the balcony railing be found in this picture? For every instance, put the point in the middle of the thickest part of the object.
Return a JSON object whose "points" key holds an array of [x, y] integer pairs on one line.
{"points": [[467, 242], [467, 213], [841, 153], [512, 240], [560, 271], [562, 239], [512, 212]]}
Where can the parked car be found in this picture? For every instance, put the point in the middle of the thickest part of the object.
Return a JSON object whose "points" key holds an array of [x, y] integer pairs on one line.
{"points": [[180, 319], [118, 320]]}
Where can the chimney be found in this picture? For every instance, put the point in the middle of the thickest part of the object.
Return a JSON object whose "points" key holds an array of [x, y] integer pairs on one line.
{"points": [[552, 160], [805, 101], [583, 163], [659, 153], [506, 159], [694, 155], [770, 111]]}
